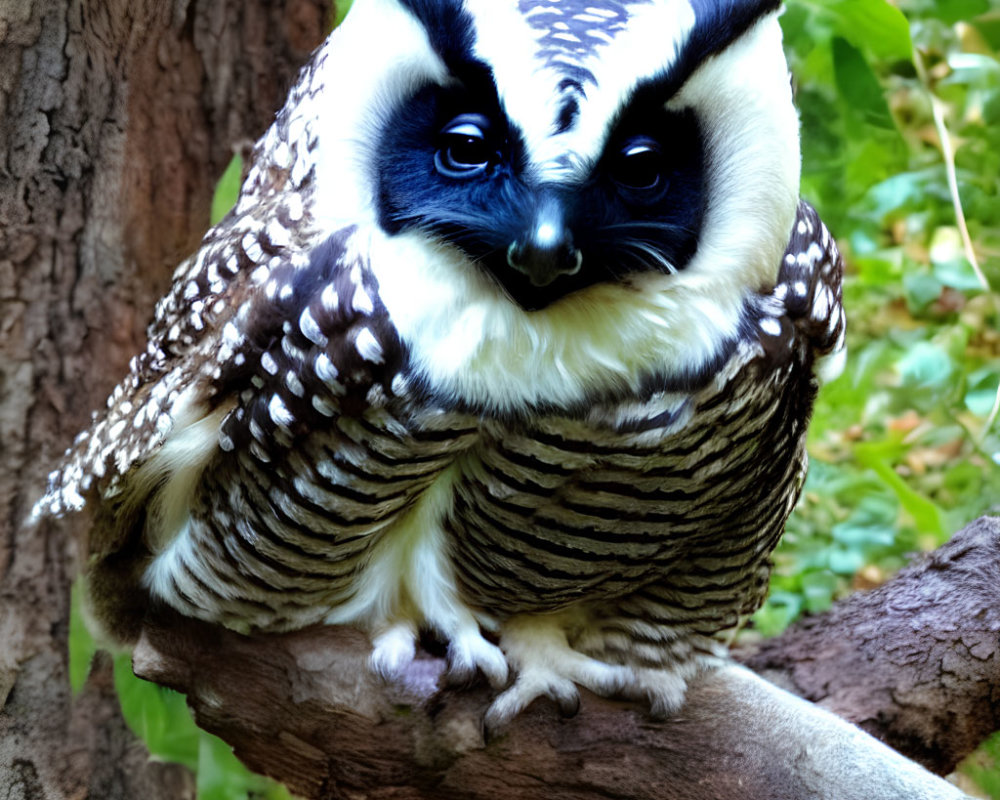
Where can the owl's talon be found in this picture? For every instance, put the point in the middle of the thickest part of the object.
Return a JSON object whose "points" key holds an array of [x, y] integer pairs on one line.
{"points": [[548, 667], [459, 677], [569, 705], [522, 694], [393, 650], [502, 710], [469, 652]]}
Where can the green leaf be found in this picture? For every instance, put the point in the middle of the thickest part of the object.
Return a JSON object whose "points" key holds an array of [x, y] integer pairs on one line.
{"points": [[982, 393], [81, 644], [162, 719], [860, 89], [989, 27], [227, 191], [952, 11], [340, 8], [159, 716], [898, 191], [964, 476], [846, 562], [857, 533], [925, 364], [926, 515], [778, 612], [958, 274], [984, 768], [818, 588], [873, 26], [221, 776], [922, 289]]}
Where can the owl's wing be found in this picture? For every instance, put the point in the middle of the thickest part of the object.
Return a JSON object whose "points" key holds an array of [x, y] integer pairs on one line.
{"points": [[173, 369], [265, 306], [810, 289], [182, 360], [181, 366]]}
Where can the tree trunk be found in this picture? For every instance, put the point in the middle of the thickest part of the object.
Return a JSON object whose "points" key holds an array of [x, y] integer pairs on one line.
{"points": [[116, 119]]}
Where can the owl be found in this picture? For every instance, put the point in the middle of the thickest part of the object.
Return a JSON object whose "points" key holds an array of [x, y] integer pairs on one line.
{"points": [[511, 339]]}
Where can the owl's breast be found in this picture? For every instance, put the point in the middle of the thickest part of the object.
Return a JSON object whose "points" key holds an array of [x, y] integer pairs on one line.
{"points": [[688, 490]]}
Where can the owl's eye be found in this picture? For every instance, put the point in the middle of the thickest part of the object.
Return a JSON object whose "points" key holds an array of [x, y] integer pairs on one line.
{"points": [[464, 147], [639, 166]]}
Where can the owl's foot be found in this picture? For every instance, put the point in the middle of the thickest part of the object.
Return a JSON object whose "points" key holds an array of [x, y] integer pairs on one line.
{"points": [[548, 667], [468, 652], [395, 647], [393, 650], [661, 689], [545, 663]]}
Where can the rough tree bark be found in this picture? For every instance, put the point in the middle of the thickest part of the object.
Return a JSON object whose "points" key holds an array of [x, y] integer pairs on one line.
{"points": [[916, 662], [116, 118]]}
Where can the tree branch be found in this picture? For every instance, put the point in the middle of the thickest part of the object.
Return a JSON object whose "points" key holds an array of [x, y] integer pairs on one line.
{"points": [[914, 662], [304, 708]]}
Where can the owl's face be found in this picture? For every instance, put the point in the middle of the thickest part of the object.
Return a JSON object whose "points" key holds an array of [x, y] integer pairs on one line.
{"points": [[522, 163], [548, 220]]}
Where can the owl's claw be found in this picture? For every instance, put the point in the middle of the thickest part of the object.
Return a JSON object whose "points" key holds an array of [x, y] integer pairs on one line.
{"points": [[468, 652], [519, 696], [548, 667], [393, 650], [662, 689]]}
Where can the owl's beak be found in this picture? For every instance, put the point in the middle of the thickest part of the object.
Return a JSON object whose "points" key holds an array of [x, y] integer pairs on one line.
{"points": [[546, 251]]}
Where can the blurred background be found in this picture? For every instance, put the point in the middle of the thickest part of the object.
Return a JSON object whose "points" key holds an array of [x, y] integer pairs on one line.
{"points": [[900, 109]]}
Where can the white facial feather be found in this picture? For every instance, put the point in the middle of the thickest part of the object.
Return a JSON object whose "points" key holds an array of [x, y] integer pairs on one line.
{"points": [[528, 87], [474, 344], [744, 103], [465, 336], [363, 84]]}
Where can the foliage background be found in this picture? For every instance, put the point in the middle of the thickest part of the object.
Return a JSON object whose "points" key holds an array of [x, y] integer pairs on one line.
{"points": [[900, 109]]}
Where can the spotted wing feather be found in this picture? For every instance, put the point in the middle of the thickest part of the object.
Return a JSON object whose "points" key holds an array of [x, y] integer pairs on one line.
{"points": [[181, 362]]}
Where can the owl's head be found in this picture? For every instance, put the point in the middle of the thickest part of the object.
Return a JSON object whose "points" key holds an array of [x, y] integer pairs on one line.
{"points": [[538, 157]]}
